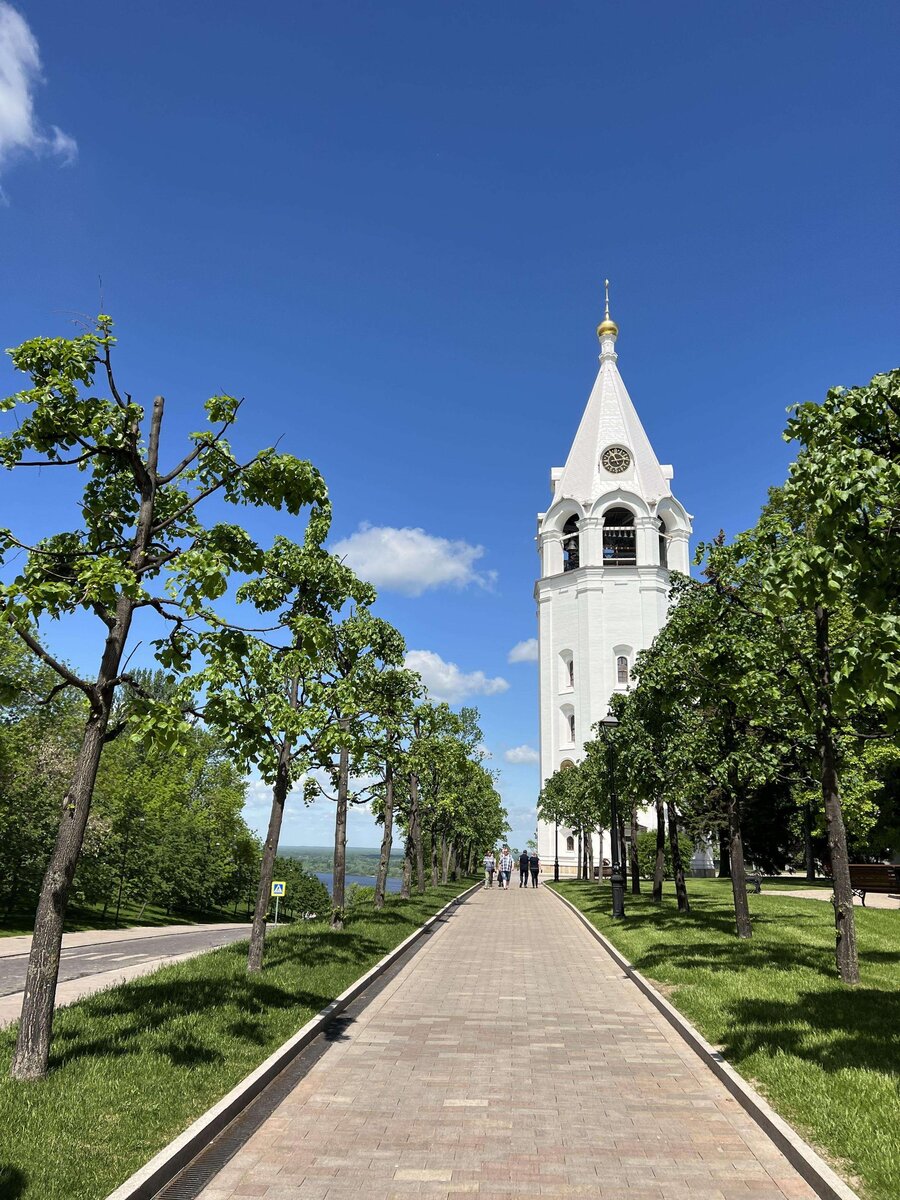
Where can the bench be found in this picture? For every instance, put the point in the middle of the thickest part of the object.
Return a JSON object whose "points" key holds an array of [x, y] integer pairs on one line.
{"points": [[873, 877]]}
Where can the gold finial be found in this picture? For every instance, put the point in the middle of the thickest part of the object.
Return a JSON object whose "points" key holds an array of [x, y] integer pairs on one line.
{"points": [[607, 325]]}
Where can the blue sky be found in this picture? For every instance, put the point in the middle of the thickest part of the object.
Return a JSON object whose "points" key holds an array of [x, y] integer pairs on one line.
{"points": [[387, 225]]}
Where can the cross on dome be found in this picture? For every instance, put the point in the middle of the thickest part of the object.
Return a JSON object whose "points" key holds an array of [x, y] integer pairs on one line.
{"points": [[607, 327]]}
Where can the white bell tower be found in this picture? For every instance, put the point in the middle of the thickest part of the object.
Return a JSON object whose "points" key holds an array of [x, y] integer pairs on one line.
{"points": [[607, 543]]}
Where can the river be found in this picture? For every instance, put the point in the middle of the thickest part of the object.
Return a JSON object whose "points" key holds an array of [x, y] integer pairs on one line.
{"points": [[393, 881]]}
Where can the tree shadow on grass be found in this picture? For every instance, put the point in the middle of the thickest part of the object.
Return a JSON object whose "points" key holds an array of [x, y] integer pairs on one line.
{"points": [[150, 1014], [13, 1182], [837, 1029]]}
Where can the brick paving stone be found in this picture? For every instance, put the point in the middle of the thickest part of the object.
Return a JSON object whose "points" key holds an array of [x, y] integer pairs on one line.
{"points": [[509, 1058]]}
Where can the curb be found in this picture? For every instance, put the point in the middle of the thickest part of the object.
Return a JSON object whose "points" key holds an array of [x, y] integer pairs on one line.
{"points": [[811, 1166], [164, 1166]]}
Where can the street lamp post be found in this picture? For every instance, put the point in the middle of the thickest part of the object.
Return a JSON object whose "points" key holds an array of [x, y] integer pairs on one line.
{"points": [[556, 851], [617, 878]]}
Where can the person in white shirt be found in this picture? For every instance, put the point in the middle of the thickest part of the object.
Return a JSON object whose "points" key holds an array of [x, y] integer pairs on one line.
{"points": [[490, 866], [506, 866]]}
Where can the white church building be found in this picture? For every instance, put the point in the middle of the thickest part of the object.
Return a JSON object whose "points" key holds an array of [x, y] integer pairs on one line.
{"points": [[607, 543]]}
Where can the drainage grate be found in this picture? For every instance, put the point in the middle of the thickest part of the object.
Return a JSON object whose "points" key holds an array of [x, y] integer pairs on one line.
{"points": [[193, 1178]]}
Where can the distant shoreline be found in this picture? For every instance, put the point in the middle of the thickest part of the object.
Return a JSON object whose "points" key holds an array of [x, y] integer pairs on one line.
{"points": [[360, 862]]}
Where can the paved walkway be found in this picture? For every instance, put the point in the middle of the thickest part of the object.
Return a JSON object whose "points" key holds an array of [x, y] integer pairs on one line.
{"points": [[873, 899], [509, 1058]]}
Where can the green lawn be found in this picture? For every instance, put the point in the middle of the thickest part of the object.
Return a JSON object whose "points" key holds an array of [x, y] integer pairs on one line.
{"points": [[80, 917], [825, 1056], [133, 1066]]}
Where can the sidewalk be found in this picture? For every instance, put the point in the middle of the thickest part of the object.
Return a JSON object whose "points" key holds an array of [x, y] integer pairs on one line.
{"points": [[873, 899], [21, 943], [509, 1058], [68, 991]]}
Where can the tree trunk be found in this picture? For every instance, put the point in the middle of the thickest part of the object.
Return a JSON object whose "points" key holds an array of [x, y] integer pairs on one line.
{"points": [[623, 845], [809, 854], [406, 881], [579, 860], [340, 837], [387, 838], [684, 904], [738, 870], [454, 859], [635, 864], [659, 867], [470, 859], [434, 860], [415, 832], [844, 921], [267, 866], [32, 1054], [445, 858], [724, 855]]}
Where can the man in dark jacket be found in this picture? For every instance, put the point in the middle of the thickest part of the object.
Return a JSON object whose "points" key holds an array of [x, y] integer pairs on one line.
{"points": [[523, 869]]}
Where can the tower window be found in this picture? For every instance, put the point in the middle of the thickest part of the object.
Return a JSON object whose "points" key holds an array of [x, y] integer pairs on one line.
{"points": [[566, 671], [570, 668], [570, 544], [663, 543], [566, 725], [622, 671], [619, 538], [570, 843]]}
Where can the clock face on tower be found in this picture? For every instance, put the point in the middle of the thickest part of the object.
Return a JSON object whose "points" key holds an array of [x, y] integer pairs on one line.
{"points": [[615, 459]]}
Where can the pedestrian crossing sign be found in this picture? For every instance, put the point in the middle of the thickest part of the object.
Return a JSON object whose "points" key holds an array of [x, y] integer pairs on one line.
{"points": [[277, 887]]}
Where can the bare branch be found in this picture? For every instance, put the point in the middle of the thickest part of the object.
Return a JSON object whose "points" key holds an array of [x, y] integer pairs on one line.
{"points": [[62, 462], [53, 693], [208, 491], [46, 657], [107, 362], [205, 444]]}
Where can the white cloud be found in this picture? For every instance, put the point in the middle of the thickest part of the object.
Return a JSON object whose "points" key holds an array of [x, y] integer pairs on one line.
{"points": [[410, 560], [522, 754], [20, 73], [526, 651], [445, 681]]}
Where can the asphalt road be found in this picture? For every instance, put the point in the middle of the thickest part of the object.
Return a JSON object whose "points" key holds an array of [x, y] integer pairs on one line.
{"points": [[81, 961]]}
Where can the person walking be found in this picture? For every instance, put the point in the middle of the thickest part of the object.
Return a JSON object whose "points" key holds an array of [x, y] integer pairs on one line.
{"points": [[506, 866], [523, 869], [490, 866], [534, 865]]}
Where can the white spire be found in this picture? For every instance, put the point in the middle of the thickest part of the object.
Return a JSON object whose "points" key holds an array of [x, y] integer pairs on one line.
{"points": [[610, 422]]}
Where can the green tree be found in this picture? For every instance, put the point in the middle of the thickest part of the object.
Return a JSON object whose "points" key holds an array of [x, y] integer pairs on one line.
{"points": [[353, 675], [139, 546], [265, 697]]}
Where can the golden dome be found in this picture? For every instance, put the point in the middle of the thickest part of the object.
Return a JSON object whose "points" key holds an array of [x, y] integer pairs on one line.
{"points": [[607, 326]]}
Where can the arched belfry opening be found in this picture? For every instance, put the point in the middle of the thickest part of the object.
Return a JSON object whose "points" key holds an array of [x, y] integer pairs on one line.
{"points": [[571, 557], [619, 544], [663, 542]]}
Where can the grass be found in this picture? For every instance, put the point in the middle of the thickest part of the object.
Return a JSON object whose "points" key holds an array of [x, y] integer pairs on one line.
{"points": [[133, 1066], [90, 916], [827, 1057]]}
